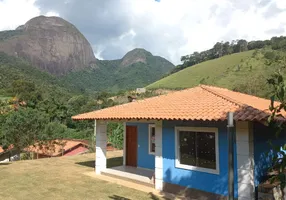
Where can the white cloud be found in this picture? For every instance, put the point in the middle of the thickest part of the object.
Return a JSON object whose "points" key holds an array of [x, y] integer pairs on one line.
{"points": [[169, 28], [16, 12], [52, 13]]}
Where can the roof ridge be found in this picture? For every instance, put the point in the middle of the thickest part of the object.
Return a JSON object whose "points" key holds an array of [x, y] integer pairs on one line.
{"points": [[206, 87]]}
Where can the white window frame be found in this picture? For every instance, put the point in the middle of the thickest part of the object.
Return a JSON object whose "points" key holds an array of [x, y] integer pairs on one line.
{"points": [[149, 137], [177, 149]]}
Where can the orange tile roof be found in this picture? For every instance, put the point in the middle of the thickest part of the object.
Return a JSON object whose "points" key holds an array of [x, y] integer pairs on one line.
{"points": [[198, 103], [9, 148], [1, 150], [55, 147]]}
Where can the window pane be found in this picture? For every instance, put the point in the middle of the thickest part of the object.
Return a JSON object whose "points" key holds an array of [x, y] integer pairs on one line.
{"points": [[206, 155], [187, 148], [152, 140]]}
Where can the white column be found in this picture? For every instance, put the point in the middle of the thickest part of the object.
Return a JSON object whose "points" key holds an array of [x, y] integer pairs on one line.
{"points": [[124, 143], [158, 156], [101, 142], [245, 161]]}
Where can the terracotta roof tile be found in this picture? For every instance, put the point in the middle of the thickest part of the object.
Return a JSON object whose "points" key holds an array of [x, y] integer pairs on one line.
{"points": [[9, 148], [198, 103], [55, 148]]}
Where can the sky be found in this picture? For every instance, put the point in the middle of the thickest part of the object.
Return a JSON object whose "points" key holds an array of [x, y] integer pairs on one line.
{"points": [[168, 28]]}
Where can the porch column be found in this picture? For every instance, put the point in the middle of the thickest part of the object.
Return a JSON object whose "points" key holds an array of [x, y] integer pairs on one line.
{"points": [[101, 142], [158, 156], [245, 161]]}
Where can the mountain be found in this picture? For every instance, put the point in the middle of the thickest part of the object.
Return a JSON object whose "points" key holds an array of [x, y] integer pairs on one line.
{"points": [[54, 45], [246, 72], [136, 69], [14, 69], [49, 43]]}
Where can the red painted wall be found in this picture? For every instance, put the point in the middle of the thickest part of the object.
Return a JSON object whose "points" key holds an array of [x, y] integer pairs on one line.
{"points": [[76, 151]]}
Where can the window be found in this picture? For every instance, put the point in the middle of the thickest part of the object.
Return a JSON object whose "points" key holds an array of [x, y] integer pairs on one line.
{"points": [[152, 139], [197, 149]]}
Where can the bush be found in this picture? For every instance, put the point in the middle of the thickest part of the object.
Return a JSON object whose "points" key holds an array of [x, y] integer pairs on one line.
{"points": [[115, 134]]}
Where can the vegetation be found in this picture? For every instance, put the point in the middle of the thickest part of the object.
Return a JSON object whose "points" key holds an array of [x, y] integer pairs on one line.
{"points": [[226, 48], [15, 69], [137, 69], [62, 178], [115, 134], [22, 128], [244, 72], [36, 115], [39, 94], [278, 153], [4, 35]]}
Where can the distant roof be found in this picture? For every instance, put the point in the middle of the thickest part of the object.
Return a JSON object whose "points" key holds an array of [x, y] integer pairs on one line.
{"points": [[9, 148], [199, 103], [56, 147]]}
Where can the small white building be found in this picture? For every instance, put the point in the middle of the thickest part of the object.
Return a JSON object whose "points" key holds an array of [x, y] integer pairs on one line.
{"points": [[140, 90]]}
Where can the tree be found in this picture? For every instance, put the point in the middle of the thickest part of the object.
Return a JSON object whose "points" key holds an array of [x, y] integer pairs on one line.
{"points": [[23, 127], [256, 45], [26, 91], [55, 108], [227, 49], [240, 46], [276, 121], [218, 50], [115, 134], [5, 107]]}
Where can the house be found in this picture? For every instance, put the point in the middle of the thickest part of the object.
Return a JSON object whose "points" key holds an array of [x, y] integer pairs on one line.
{"points": [[9, 155], [180, 140], [140, 90], [56, 148]]}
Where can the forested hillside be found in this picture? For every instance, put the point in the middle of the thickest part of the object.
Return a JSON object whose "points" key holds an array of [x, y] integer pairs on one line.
{"points": [[39, 106], [13, 69], [136, 69], [245, 72], [226, 48]]}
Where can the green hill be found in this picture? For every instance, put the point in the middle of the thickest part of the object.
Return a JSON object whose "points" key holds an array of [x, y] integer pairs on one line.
{"points": [[245, 72], [136, 69], [13, 69]]}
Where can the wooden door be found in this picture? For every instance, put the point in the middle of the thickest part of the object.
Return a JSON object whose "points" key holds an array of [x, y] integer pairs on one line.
{"points": [[131, 146]]}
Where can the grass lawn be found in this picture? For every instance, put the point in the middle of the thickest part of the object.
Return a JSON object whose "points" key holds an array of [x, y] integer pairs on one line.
{"points": [[4, 98], [218, 72], [62, 178]]}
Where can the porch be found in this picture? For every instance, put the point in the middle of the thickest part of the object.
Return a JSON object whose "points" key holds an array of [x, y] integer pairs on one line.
{"points": [[133, 174], [139, 164]]}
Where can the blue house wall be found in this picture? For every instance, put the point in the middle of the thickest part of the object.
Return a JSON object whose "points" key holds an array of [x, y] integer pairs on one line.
{"points": [[214, 183], [262, 149], [144, 159]]}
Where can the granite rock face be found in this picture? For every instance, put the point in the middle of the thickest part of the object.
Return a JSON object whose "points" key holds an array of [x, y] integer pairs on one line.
{"points": [[51, 44]]}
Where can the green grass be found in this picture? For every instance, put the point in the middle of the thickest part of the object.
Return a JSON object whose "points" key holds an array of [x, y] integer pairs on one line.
{"points": [[210, 72], [245, 72], [62, 178], [4, 98]]}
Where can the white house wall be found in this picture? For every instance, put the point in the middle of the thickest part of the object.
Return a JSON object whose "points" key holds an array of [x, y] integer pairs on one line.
{"points": [[101, 142], [245, 161], [158, 157]]}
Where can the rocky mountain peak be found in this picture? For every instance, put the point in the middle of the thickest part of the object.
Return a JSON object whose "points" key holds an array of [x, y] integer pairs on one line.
{"points": [[135, 56], [52, 44]]}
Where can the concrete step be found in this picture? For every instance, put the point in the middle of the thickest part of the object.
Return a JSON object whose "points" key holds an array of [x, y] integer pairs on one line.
{"points": [[126, 178]]}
